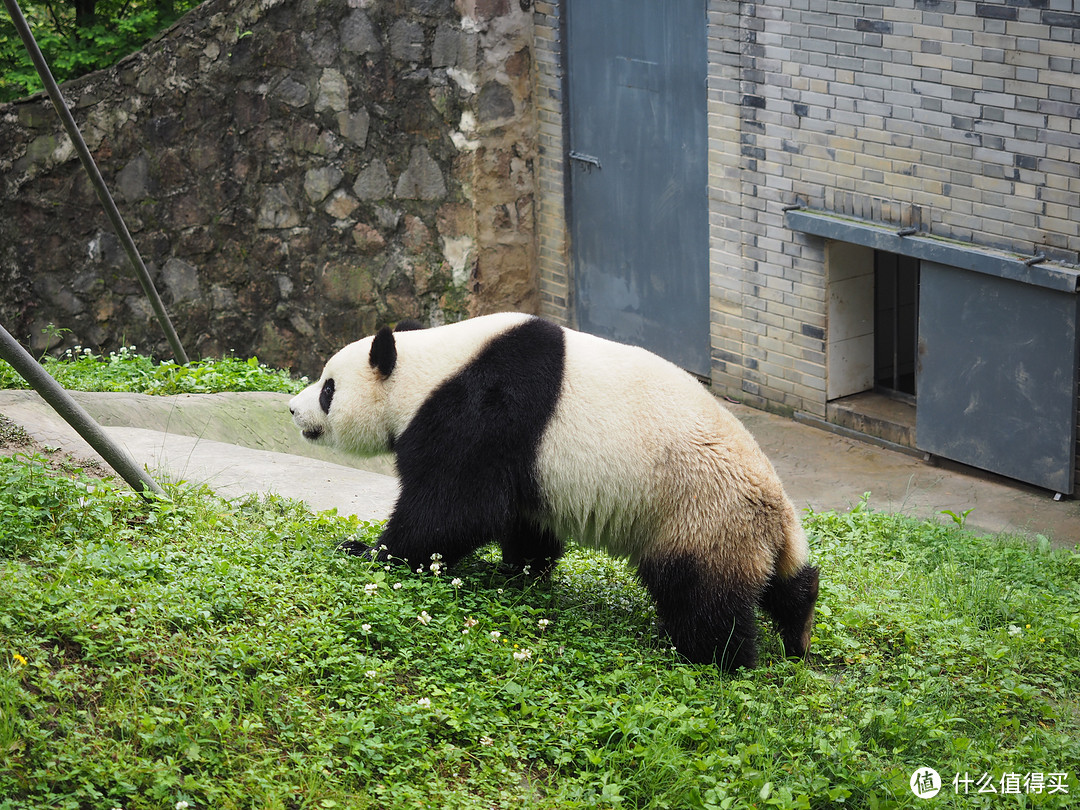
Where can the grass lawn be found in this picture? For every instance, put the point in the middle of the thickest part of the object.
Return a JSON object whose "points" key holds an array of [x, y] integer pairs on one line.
{"points": [[208, 654], [223, 655], [81, 369]]}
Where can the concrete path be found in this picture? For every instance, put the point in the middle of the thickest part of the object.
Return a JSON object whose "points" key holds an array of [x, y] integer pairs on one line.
{"points": [[235, 443], [240, 443]]}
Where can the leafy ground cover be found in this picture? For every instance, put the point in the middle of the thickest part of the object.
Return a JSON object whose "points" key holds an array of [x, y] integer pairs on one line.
{"points": [[195, 652], [81, 369], [202, 653], [75, 47]]}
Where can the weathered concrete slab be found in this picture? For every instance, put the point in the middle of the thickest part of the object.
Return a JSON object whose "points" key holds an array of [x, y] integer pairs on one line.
{"points": [[235, 443]]}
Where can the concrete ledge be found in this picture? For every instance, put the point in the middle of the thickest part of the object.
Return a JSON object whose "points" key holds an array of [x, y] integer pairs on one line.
{"points": [[935, 249]]}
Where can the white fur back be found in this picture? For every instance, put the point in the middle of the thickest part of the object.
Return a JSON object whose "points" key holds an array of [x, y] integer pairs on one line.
{"points": [[641, 456]]}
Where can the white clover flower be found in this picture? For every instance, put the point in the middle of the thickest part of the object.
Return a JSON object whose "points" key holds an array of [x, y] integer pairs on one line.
{"points": [[436, 556], [371, 587], [544, 623], [456, 582], [424, 618], [470, 621], [397, 586], [424, 703], [182, 805], [522, 655], [486, 740], [372, 673], [495, 635], [366, 628]]}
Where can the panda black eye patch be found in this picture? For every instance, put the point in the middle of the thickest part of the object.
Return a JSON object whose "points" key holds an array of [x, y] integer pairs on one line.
{"points": [[326, 396]]}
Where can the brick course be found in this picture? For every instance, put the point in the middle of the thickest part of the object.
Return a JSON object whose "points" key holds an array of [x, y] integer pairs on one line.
{"points": [[959, 118]]}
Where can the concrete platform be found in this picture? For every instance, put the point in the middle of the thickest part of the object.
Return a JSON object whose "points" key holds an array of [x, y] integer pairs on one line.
{"points": [[235, 443], [240, 443]]}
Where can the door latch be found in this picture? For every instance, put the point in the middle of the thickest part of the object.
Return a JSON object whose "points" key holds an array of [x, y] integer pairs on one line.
{"points": [[588, 161]]}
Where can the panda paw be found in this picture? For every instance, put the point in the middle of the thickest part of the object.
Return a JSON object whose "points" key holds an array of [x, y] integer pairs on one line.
{"points": [[355, 548], [537, 570]]}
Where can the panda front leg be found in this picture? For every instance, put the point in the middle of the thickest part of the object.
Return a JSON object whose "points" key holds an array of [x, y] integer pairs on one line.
{"points": [[790, 602], [709, 618], [450, 534], [421, 527]]}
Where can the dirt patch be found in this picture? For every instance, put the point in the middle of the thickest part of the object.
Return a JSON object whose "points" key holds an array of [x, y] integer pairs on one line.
{"points": [[14, 440], [12, 437]]}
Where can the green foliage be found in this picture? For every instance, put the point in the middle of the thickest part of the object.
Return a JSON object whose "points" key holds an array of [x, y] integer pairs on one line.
{"points": [[125, 370], [120, 28], [223, 655]]}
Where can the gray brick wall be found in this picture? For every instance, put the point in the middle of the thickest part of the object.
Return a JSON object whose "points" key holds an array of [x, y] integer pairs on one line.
{"points": [[552, 255], [957, 117]]}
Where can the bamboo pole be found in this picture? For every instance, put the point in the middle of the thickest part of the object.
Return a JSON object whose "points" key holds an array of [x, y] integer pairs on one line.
{"points": [[75, 415]]}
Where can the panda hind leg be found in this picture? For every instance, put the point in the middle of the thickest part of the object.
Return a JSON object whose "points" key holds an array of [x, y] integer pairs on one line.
{"points": [[526, 548], [790, 602], [708, 620]]}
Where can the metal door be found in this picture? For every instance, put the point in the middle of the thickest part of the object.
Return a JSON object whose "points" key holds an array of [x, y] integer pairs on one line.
{"points": [[998, 375], [638, 204]]}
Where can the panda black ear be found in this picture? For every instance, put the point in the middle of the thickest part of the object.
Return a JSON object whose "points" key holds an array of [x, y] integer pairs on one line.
{"points": [[383, 352], [408, 325]]}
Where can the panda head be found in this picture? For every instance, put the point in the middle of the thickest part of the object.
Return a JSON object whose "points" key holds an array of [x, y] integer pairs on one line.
{"points": [[348, 407]]}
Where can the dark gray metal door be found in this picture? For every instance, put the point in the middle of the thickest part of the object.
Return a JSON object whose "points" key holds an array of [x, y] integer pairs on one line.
{"points": [[638, 205], [998, 375]]}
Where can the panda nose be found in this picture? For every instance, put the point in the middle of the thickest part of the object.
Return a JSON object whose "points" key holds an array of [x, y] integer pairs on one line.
{"points": [[292, 410]]}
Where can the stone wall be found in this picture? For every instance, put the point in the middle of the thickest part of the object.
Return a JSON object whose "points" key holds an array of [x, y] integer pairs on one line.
{"points": [[294, 173]]}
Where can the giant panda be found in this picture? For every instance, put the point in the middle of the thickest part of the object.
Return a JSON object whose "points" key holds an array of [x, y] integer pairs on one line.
{"points": [[508, 428]]}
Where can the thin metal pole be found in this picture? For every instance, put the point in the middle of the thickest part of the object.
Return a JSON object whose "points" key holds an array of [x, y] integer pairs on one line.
{"points": [[76, 416], [95, 177]]}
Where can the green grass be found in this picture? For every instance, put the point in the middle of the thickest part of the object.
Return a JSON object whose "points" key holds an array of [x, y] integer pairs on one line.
{"points": [[81, 369], [223, 655]]}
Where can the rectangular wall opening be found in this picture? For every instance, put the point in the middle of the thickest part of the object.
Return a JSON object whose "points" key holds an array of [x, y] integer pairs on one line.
{"points": [[896, 324], [872, 341]]}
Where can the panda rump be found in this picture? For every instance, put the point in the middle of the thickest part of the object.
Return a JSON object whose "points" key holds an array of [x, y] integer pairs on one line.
{"points": [[510, 429]]}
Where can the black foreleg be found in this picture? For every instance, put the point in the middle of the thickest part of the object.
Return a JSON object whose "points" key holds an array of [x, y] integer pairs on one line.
{"points": [[790, 602], [416, 532], [708, 620]]}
